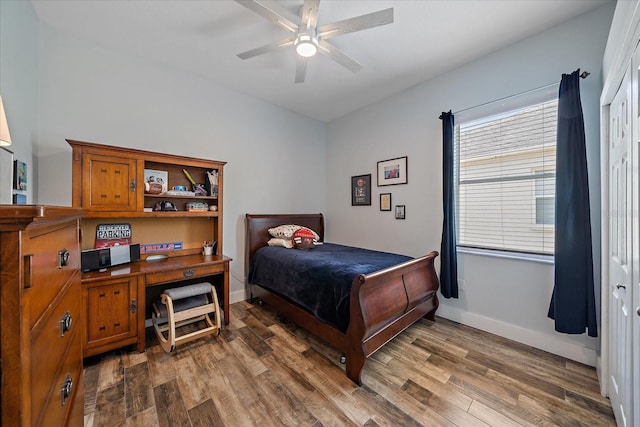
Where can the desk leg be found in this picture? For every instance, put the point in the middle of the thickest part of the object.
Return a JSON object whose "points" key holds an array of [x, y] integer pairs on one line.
{"points": [[226, 293], [142, 309]]}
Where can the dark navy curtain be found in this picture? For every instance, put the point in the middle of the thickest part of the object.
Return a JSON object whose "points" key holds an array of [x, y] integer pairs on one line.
{"points": [[448, 257], [573, 302]]}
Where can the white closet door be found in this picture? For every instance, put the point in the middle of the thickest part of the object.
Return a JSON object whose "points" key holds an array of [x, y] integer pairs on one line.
{"points": [[620, 268], [635, 246]]}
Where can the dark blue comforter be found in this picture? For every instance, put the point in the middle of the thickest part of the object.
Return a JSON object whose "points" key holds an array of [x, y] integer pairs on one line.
{"points": [[318, 280]]}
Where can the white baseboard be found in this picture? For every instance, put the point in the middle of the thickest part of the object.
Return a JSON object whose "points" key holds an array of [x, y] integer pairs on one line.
{"points": [[535, 339], [237, 296]]}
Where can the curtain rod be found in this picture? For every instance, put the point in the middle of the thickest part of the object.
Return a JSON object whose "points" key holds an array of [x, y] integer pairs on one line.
{"points": [[583, 75]]}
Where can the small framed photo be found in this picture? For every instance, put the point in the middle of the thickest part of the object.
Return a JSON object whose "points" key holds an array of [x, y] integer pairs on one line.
{"points": [[385, 201], [19, 175], [361, 190], [400, 214], [392, 171]]}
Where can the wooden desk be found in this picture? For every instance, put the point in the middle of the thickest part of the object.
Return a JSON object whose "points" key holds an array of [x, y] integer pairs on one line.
{"points": [[115, 299]]}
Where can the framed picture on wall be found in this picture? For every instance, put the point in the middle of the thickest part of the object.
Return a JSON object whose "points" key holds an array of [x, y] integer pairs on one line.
{"points": [[361, 190], [392, 171], [19, 175], [385, 201], [400, 211]]}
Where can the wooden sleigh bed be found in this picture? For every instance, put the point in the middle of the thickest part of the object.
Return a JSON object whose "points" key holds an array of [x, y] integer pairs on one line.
{"points": [[381, 305]]}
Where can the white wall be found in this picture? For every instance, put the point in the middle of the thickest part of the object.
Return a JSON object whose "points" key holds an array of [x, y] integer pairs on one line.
{"points": [[507, 297], [19, 82], [276, 159], [280, 161]]}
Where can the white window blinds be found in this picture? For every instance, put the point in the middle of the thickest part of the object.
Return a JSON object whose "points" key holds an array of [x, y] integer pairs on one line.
{"points": [[505, 176]]}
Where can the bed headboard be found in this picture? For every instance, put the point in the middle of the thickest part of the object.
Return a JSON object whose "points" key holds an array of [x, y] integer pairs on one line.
{"points": [[257, 226]]}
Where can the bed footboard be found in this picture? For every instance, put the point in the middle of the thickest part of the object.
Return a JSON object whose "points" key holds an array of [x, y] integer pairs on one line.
{"points": [[385, 303]]}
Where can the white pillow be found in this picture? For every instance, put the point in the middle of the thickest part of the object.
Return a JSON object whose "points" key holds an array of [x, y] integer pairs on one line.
{"points": [[285, 243], [286, 231]]}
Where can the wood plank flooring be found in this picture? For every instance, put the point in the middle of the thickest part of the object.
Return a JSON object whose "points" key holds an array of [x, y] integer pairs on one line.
{"points": [[265, 371]]}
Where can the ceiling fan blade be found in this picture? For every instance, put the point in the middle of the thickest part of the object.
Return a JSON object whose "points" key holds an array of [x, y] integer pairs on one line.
{"points": [[269, 13], [332, 52], [309, 14], [301, 69], [370, 20], [264, 49]]}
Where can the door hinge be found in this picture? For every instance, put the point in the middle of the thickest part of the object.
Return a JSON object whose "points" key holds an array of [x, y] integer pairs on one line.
{"points": [[134, 306]]}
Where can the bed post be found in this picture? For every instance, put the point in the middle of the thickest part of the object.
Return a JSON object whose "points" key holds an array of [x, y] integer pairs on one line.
{"points": [[432, 314], [355, 350]]}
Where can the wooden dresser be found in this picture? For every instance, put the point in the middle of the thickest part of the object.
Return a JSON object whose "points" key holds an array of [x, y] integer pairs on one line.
{"points": [[40, 316]]}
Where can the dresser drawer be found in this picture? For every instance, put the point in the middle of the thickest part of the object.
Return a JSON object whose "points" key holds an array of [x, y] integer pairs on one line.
{"points": [[45, 273], [183, 274], [53, 411], [54, 341]]}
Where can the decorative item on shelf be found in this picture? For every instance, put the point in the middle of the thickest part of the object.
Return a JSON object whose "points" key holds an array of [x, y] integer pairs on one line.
{"points": [[165, 205], [156, 181], [152, 188], [108, 235], [183, 193], [211, 184], [149, 248], [209, 248], [199, 190], [197, 207]]}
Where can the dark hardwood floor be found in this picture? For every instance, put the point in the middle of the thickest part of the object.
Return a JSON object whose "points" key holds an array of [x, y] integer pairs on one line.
{"points": [[264, 371]]}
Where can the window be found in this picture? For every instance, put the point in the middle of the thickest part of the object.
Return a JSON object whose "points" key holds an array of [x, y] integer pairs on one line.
{"points": [[505, 176], [545, 197]]}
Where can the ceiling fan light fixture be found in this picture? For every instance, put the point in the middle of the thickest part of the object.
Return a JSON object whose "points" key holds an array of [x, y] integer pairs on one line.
{"points": [[306, 45]]}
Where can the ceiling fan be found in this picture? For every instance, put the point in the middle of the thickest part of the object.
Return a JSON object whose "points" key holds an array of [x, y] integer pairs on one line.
{"points": [[308, 38]]}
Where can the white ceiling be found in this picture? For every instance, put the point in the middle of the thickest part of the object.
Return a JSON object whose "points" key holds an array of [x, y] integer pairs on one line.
{"points": [[202, 37]]}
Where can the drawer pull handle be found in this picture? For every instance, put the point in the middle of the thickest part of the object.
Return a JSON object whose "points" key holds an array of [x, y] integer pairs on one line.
{"points": [[63, 258], [65, 391], [188, 273], [65, 323]]}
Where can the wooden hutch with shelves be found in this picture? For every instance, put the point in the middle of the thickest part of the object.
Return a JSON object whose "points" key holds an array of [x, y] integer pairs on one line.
{"points": [[109, 184]]}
